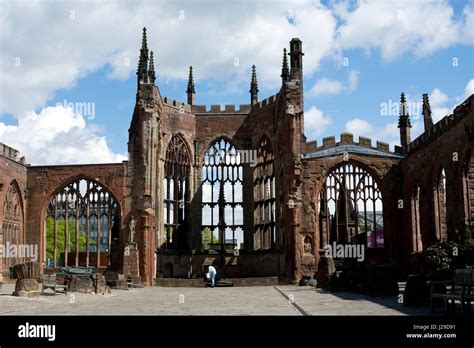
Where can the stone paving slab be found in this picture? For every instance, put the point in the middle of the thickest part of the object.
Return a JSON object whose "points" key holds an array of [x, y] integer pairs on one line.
{"points": [[154, 301], [320, 302], [255, 300]]}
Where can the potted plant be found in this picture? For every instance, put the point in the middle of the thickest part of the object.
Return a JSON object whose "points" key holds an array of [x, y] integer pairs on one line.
{"points": [[438, 259]]}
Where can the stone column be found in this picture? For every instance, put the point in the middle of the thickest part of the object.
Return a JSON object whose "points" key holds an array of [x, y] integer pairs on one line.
{"points": [[130, 260], [147, 247]]}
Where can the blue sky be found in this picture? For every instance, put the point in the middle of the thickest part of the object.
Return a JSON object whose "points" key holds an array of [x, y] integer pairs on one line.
{"points": [[358, 56]]}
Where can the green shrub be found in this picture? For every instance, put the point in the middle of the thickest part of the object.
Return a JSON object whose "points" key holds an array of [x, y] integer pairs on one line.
{"points": [[438, 257]]}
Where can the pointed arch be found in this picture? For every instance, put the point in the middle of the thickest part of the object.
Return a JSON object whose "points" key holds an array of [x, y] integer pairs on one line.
{"points": [[178, 142], [211, 143], [350, 207], [417, 243], [439, 204], [82, 220], [222, 197], [176, 193], [13, 222], [468, 187], [264, 196], [16, 187]]}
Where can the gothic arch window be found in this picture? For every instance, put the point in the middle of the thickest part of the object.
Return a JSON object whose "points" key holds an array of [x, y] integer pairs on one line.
{"points": [[468, 189], [264, 196], [176, 194], [222, 191], [350, 208], [439, 195], [12, 223], [82, 220], [415, 216]]}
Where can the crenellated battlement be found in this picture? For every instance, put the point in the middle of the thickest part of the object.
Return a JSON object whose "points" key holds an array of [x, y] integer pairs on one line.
{"points": [[11, 153], [346, 139], [176, 104], [200, 109], [216, 109], [443, 125], [266, 102], [232, 109]]}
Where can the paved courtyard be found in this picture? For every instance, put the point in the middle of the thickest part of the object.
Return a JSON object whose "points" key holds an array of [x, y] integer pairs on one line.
{"points": [[259, 300]]}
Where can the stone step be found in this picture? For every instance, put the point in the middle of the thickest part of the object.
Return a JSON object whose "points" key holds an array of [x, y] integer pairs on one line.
{"points": [[197, 282], [224, 283]]}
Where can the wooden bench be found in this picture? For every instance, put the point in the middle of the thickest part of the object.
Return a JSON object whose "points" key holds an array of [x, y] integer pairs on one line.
{"points": [[49, 281], [462, 286]]}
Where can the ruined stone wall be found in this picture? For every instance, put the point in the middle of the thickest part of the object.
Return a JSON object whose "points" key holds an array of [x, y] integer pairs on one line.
{"points": [[290, 142], [145, 145], [383, 168], [245, 265], [176, 120], [12, 171], [447, 145], [44, 181], [244, 127]]}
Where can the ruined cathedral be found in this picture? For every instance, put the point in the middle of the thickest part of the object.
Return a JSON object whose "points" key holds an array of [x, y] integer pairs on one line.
{"points": [[241, 188]]}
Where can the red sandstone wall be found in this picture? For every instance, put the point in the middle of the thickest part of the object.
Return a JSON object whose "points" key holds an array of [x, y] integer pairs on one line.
{"points": [[11, 171], [44, 181], [448, 145], [382, 169]]}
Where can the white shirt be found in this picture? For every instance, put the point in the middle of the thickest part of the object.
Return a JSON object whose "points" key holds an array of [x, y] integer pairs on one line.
{"points": [[212, 270]]}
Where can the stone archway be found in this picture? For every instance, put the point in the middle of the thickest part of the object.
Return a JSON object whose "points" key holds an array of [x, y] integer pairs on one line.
{"points": [[350, 207], [12, 227], [82, 225]]}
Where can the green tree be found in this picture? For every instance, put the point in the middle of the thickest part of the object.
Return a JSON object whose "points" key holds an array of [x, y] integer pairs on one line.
{"points": [[207, 238], [61, 235]]}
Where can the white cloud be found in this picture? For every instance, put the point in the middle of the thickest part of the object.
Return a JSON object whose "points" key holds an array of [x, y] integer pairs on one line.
{"points": [[398, 27], [327, 86], [437, 101], [469, 90], [468, 32], [353, 80], [315, 122], [57, 136], [208, 36], [82, 37], [390, 133], [37, 60], [441, 105], [438, 98], [359, 127], [437, 113]]}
